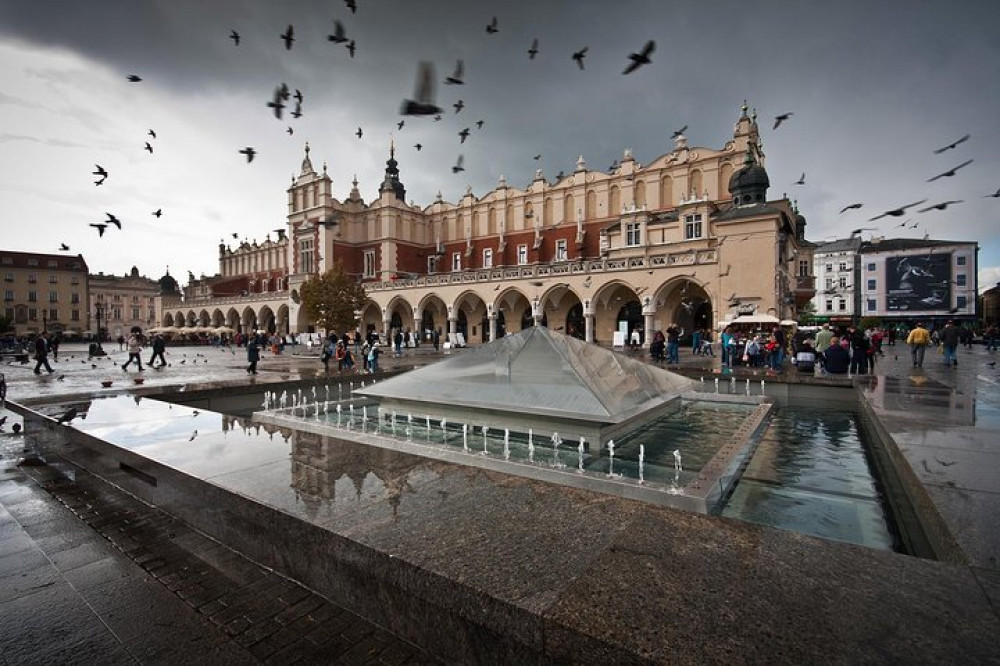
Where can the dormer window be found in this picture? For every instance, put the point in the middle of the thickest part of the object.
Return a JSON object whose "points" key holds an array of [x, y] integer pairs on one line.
{"points": [[692, 226], [633, 234]]}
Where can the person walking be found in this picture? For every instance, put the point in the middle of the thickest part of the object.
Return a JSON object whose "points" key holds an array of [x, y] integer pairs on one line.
{"points": [[159, 346], [673, 344], [950, 337], [42, 353], [253, 354], [991, 339], [134, 346], [918, 339], [373, 353]]}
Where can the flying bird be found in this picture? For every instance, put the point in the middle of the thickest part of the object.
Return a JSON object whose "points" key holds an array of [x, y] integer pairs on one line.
{"points": [[459, 105], [533, 51], [277, 104], [298, 96], [940, 206], [351, 47], [580, 55], [679, 132], [914, 225], [456, 78], [102, 173], [491, 27], [63, 247], [352, 5], [149, 148], [158, 213], [995, 195], [400, 124], [338, 36], [950, 146], [950, 172], [801, 180], [780, 119], [902, 224], [464, 134], [418, 146], [422, 103], [288, 37], [235, 36], [100, 228], [133, 78], [641, 58], [897, 212], [480, 123], [437, 117], [290, 131], [459, 165], [284, 92], [297, 112], [113, 220], [856, 232], [249, 152], [359, 133], [537, 157], [853, 206]]}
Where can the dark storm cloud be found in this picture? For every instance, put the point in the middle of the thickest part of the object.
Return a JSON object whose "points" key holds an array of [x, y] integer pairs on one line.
{"points": [[874, 87]]}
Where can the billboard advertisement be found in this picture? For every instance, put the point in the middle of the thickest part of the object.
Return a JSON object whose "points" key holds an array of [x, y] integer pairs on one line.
{"points": [[919, 282]]}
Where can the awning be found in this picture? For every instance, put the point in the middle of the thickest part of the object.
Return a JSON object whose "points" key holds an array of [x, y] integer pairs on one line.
{"points": [[756, 319]]}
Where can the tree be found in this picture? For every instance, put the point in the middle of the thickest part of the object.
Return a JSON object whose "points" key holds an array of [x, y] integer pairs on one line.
{"points": [[807, 313], [332, 299]]}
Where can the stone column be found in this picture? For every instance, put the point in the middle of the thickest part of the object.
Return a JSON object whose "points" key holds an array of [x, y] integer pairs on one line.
{"points": [[493, 324], [537, 312], [648, 311], [588, 320], [386, 326]]}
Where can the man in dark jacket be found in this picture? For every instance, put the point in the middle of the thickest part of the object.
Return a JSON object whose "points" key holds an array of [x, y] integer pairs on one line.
{"points": [[159, 346], [836, 360], [950, 337], [42, 353], [859, 351]]}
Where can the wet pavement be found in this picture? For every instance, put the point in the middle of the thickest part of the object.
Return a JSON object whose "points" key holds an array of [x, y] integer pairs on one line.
{"points": [[90, 569]]}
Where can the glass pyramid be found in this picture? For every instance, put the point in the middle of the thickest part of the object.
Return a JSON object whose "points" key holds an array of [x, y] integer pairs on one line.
{"points": [[536, 372]]}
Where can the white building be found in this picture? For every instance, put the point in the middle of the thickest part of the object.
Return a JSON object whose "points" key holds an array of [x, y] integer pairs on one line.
{"points": [[836, 267]]}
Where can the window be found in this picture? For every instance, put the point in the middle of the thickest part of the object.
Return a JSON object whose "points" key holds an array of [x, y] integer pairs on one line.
{"points": [[7, 261], [843, 266], [561, 251], [960, 261], [842, 282], [456, 261], [306, 255], [632, 235], [8, 277], [961, 302], [53, 278], [32, 314], [75, 280], [135, 314], [32, 262], [522, 255], [135, 297], [960, 279], [692, 226], [53, 314], [871, 305], [53, 297], [871, 285], [829, 268], [52, 263], [488, 258], [432, 264], [32, 278], [842, 305], [803, 268], [829, 304], [8, 295], [32, 296], [829, 283], [75, 315], [369, 263], [871, 266]]}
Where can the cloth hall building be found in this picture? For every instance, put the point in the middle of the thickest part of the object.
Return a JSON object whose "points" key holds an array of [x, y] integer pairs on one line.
{"points": [[690, 238]]}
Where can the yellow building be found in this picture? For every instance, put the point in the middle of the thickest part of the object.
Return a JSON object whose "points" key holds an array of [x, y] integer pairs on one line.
{"points": [[690, 238], [44, 292], [117, 303]]}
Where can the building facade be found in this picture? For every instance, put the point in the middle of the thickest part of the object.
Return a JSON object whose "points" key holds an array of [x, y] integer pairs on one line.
{"points": [[45, 292], [991, 307], [907, 279], [118, 303], [837, 267], [690, 238]]}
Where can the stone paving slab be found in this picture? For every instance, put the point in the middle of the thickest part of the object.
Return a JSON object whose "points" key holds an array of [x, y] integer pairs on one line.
{"points": [[91, 575]]}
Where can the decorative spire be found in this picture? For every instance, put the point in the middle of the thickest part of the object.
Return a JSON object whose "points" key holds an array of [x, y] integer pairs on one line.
{"points": [[307, 167], [743, 110], [391, 182], [581, 164]]}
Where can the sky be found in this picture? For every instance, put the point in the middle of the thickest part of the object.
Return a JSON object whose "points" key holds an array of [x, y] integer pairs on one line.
{"points": [[874, 88]]}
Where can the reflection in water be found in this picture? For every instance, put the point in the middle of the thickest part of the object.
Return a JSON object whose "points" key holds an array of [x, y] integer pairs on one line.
{"points": [[811, 474]]}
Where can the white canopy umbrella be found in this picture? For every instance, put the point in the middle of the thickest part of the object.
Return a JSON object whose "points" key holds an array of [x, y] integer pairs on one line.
{"points": [[756, 319]]}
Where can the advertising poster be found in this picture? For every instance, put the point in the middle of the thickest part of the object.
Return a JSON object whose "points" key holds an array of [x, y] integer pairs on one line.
{"points": [[918, 282]]}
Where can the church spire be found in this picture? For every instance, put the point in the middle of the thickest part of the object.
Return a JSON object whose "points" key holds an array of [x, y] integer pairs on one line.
{"points": [[391, 182], [307, 166]]}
